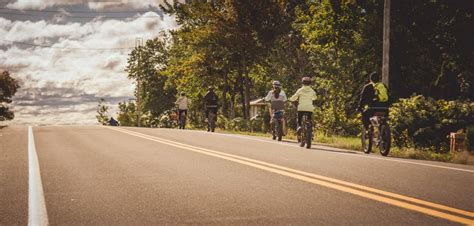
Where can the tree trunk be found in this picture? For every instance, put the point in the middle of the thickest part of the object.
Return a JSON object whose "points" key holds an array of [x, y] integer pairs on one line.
{"points": [[232, 103], [224, 93], [247, 90], [240, 82]]}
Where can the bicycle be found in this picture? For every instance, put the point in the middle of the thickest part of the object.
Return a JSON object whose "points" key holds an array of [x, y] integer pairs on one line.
{"points": [[378, 133], [182, 120], [277, 120], [305, 136]]}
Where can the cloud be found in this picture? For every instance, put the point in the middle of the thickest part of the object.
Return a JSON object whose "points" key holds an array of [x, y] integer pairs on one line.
{"points": [[71, 66], [93, 5]]}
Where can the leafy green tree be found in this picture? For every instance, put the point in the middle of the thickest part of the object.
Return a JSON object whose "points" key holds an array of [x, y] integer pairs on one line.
{"points": [[102, 112], [223, 42], [8, 88], [334, 35], [127, 113], [146, 65], [431, 52]]}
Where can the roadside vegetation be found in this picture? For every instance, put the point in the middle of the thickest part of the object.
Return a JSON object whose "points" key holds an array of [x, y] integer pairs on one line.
{"points": [[240, 46], [8, 88]]}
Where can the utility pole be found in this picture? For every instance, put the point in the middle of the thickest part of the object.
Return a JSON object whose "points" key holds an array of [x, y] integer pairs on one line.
{"points": [[386, 43], [138, 44]]}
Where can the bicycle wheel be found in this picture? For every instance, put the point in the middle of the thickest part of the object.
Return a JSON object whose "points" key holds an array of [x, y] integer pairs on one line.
{"points": [[274, 129], [303, 132], [385, 139], [367, 139], [279, 130], [309, 135]]}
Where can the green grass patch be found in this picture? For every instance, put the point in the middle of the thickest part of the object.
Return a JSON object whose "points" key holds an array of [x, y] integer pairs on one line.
{"points": [[354, 143]]}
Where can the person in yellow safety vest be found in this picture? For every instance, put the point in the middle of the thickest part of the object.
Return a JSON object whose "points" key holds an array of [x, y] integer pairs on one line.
{"points": [[305, 97], [375, 96]]}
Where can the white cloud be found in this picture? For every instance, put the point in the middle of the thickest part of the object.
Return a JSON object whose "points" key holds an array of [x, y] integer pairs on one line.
{"points": [[61, 85], [93, 5]]}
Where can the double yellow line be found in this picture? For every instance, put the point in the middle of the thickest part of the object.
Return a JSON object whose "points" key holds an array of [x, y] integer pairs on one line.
{"points": [[429, 208]]}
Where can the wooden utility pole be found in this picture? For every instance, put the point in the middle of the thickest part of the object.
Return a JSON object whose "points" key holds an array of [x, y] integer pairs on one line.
{"points": [[386, 43], [138, 43]]}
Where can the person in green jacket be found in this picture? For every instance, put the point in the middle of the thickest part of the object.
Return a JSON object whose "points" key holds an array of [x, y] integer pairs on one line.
{"points": [[305, 97]]}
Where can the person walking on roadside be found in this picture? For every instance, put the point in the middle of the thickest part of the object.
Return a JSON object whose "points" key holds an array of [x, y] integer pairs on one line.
{"points": [[210, 102]]}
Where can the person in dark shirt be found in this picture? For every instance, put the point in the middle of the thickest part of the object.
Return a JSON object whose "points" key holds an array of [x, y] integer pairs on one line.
{"points": [[210, 101], [113, 122], [370, 98]]}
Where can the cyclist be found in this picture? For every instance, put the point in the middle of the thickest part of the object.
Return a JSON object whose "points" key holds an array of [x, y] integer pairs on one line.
{"points": [[375, 96], [277, 98], [305, 97], [210, 101], [182, 103]]}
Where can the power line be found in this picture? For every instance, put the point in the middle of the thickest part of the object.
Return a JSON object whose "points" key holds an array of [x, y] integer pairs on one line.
{"points": [[65, 48], [78, 17], [69, 11]]}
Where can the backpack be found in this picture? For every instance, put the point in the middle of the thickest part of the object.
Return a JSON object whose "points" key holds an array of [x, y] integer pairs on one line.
{"points": [[381, 92]]}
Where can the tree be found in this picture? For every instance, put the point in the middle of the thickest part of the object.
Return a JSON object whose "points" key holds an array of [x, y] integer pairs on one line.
{"points": [[127, 113], [343, 52], [102, 113], [146, 65], [8, 88], [431, 51]]}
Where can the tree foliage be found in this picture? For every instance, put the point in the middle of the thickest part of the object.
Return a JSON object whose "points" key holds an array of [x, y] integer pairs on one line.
{"points": [[240, 46], [102, 112], [8, 88]]}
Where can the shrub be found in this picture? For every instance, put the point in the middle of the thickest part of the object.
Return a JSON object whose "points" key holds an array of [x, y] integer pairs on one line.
{"points": [[470, 138], [426, 123], [165, 120]]}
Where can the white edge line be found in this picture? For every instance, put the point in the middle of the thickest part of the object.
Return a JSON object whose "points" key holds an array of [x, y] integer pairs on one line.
{"points": [[348, 154], [37, 214]]}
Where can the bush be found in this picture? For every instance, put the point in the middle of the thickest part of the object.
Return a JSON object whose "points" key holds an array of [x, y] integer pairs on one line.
{"points": [[165, 120], [238, 124], [470, 138], [423, 122]]}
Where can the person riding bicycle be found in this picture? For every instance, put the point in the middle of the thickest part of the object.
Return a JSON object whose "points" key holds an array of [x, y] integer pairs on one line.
{"points": [[277, 98], [375, 96], [305, 97], [182, 103], [210, 101]]}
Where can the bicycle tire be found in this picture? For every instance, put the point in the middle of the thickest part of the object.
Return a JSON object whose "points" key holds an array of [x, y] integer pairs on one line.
{"points": [[385, 139]]}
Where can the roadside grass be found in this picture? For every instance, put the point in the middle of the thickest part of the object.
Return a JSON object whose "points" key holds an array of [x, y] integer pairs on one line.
{"points": [[354, 143]]}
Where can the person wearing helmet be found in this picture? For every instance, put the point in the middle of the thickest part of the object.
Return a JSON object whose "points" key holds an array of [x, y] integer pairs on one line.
{"points": [[210, 102], [276, 92], [305, 97], [182, 103], [277, 99], [375, 96]]}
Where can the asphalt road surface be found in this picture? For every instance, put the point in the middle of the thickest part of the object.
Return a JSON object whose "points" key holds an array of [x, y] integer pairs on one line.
{"points": [[91, 175]]}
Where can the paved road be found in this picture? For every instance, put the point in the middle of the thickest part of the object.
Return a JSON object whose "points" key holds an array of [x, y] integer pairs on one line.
{"points": [[138, 176]]}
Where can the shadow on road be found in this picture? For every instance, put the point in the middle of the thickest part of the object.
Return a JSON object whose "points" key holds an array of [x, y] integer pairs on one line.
{"points": [[322, 148]]}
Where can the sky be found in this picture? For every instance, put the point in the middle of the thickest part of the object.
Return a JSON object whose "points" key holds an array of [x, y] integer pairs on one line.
{"points": [[67, 54]]}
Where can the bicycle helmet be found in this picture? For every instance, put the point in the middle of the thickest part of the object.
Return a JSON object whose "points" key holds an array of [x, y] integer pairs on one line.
{"points": [[276, 83], [306, 80]]}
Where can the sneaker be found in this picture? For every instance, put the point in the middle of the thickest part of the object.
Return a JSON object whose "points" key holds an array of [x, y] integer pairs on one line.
{"points": [[298, 130]]}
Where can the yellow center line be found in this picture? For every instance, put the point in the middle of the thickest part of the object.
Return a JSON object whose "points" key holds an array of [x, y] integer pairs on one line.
{"points": [[324, 181]]}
